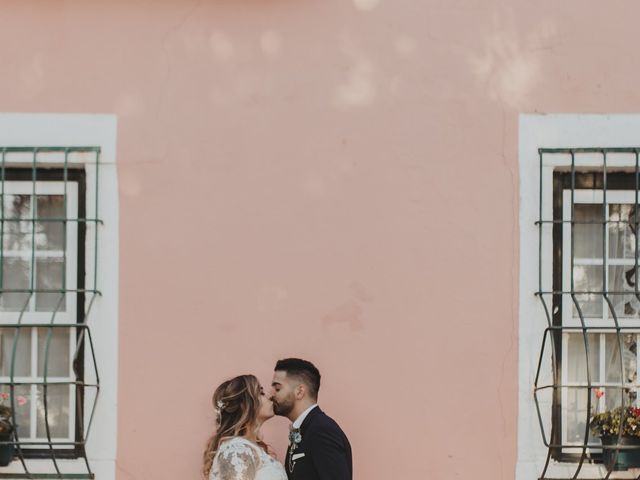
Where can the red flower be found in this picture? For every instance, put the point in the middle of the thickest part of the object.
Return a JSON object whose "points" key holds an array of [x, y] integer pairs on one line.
{"points": [[599, 393]]}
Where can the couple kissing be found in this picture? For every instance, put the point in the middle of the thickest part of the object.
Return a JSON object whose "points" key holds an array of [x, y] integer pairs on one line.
{"points": [[318, 448]]}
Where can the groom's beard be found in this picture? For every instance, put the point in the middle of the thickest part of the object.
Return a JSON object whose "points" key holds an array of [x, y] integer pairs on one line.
{"points": [[284, 408]]}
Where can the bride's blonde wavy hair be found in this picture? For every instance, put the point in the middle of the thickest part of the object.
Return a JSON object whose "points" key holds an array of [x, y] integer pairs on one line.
{"points": [[237, 405]]}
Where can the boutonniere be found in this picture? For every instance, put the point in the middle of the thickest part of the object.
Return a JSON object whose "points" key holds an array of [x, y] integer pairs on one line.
{"points": [[295, 437]]}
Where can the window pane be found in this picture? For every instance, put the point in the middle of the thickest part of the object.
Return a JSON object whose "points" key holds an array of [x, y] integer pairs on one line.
{"points": [[629, 358], [588, 237], [57, 411], [49, 276], [17, 234], [622, 239], [50, 235], [622, 279], [58, 363], [22, 412], [588, 278], [23, 351], [612, 398], [16, 275], [577, 359], [577, 414]]}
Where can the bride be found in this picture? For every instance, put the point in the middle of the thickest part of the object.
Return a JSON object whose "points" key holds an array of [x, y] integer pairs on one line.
{"points": [[236, 450]]}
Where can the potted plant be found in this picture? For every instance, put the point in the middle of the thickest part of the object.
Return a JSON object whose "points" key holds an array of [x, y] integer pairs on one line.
{"points": [[607, 425], [7, 428]]}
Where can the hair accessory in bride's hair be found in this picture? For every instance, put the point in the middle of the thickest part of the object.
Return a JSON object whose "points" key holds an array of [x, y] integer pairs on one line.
{"points": [[220, 406]]}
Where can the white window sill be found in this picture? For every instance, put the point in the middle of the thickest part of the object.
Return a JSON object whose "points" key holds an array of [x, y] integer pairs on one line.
{"points": [[588, 471], [100, 468]]}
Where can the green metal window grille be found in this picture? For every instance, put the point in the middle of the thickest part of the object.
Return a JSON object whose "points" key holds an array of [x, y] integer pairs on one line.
{"points": [[592, 309], [48, 372]]}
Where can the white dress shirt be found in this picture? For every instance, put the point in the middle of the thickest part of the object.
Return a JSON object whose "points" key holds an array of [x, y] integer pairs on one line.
{"points": [[302, 416]]}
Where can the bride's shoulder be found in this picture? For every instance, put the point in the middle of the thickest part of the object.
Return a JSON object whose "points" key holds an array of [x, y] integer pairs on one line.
{"points": [[238, 446], [236, 441], [235, 458]]}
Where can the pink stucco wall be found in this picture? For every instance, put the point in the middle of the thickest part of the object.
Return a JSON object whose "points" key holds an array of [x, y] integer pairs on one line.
{"points": [[332, 179]]}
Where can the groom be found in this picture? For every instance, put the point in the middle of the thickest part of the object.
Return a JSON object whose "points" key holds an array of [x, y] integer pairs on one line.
{"points": [[318, 448]]}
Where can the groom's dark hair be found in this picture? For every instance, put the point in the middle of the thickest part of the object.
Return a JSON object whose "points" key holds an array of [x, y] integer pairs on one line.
{"points": [[302, 370]]}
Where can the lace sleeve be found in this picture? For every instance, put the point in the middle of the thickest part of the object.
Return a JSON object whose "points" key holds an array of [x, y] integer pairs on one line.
{"points": [[237, 461]]}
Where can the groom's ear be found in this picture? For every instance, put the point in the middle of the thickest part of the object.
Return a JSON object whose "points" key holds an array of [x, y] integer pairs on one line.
{"points": [[300, 391]]}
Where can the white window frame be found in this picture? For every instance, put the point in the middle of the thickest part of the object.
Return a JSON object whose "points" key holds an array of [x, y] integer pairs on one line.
{"points": [[581, 196], [30, 316], [82, 130]]}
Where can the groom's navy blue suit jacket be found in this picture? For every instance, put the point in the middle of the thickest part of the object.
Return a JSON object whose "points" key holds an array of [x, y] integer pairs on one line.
{"points": [[324, 452]]}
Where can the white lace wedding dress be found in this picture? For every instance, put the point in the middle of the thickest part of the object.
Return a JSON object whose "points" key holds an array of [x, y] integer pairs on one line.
{"points": [[240, 459]]}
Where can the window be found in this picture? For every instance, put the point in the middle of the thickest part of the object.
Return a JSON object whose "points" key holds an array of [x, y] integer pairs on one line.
{"points": [[594, 267], [58, 293], [41, 275], [579, 316]]}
